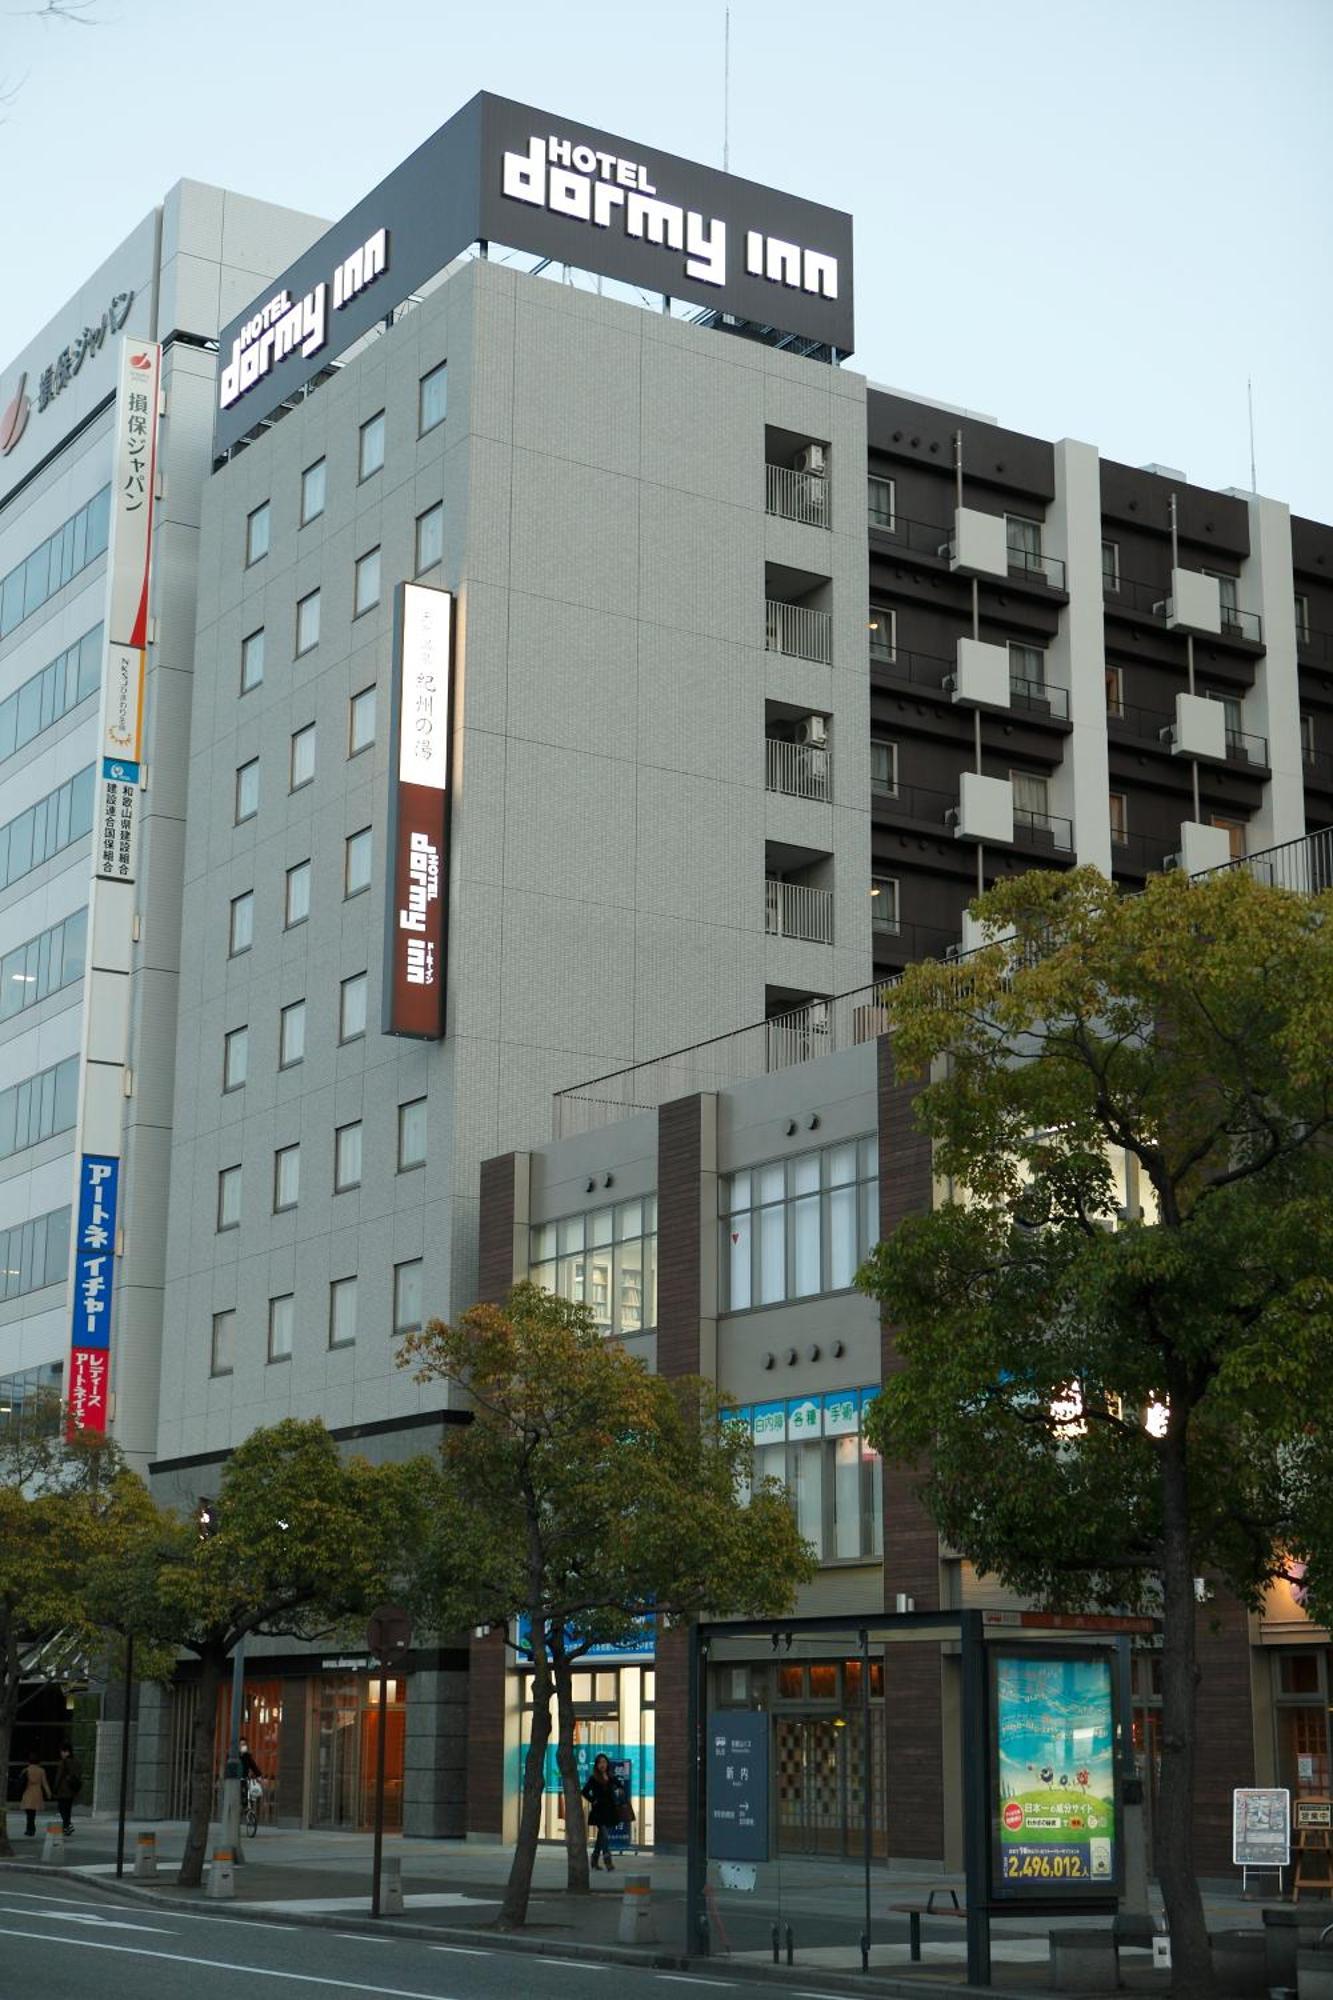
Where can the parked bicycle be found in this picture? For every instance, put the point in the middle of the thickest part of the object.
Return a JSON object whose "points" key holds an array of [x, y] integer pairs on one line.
{"points": [[252, 1805]]}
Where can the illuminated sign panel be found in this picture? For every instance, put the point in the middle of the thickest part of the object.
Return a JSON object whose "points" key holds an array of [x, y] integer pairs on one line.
{"points": [[416, 904], [508, 174]]}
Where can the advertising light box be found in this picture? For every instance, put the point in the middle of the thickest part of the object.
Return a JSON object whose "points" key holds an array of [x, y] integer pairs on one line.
{"points": [[1055, 1816]]}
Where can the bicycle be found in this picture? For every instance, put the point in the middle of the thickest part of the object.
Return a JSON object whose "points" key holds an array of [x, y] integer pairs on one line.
{"points": [[254, 1799]]}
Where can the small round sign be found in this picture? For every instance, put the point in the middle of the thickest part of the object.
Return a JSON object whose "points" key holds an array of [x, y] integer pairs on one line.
{"points": [[1013, 1816], [389, 1633]]}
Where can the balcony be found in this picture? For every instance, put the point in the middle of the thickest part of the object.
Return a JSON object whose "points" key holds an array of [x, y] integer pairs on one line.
{"points": [[1318, 766], [1138, 854], [798, 496], [915, 802], [1037, 567], [798, 631], [798, 770], [795, 910], [923, 670], [1039, 698], [1040, 829], [918, 538]]}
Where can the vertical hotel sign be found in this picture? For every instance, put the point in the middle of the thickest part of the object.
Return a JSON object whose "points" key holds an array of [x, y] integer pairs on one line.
{"points": [[416, 906], [113, 895]]}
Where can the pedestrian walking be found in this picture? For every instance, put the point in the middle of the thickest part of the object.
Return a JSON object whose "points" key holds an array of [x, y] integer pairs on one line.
{"points": [[608, 1806], [36, 1791], [69, 1783]]}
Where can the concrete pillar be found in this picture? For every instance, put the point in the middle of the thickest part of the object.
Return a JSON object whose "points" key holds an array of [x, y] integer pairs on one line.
{"points": [[1272, 708], [1076, 657], [150, 1774], [435, 1750]]}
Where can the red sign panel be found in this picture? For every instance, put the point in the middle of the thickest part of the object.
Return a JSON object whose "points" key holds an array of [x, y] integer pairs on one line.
{"points": [[416, 906], [89, 1381], [416, 948]]}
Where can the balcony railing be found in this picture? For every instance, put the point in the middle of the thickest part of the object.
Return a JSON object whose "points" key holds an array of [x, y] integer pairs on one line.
{"points": [[1039, 697], [921, 538], [1138, 854], [1238, 624], [1037, 567], [800, 770], [1318, 766], [1040, 829], [1150, 600], [1303, 865], [795, 910], [926, 670], [1242, 748], [799, 631], [1312, 644], [918, 803], [1150, 725], [798, 496]]}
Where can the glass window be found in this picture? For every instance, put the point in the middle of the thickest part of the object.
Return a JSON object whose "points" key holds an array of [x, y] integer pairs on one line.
{"points": [[257, 533], [1119, 805], [883, 626], [224, 1343], [412, 1134], [314, 486], [281, 1325], [352, 1008], [884, 903], [1308, 749], [1031, 795], [50, 694], [797, 1227], [1027, 670], [43, 829], [297, 904], [361, 721], [430, 537], [229, 1198], [42, 965], [370, 453], [286, 1177], [252, 660], [303, 756], [342, 1312], [880, 501], [347, 1157], [34, 1254], [78, 542], [291, 1035], [433, 398], [1023, 537], [1110, 565], [407, 1296], [247, 790], [1303, 620], [605, 1259], [366, 583], [241, 932], [834, 1480], [307, 623], [357, 862], [884, 768], [1235, 832], [235, 1058], [1115, 690]]}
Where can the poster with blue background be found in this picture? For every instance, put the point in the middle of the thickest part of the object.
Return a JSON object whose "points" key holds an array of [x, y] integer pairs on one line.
{"points": [[1055, 1808]]}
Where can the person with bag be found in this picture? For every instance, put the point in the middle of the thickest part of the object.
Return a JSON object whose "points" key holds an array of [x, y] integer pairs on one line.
{"points": [[608, 1806], [69, 1783], [36, 1791]]}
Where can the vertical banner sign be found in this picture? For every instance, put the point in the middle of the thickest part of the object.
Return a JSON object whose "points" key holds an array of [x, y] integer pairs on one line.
{"points": [[416, 905], [120, 778], [1054, 1809], [737, 1780]]}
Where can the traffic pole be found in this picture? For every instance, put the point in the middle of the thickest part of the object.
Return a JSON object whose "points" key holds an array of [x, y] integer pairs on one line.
{"points": [[379, 1786]]}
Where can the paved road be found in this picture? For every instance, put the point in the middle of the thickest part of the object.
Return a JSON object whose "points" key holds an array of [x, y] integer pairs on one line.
{"points": [[67, 1946]]}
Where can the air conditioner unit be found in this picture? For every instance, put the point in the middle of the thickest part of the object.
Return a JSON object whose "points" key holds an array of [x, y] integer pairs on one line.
{"points": [[951, 815], [954, 950], [813, 730], [1171, 861], [949, 684], [812, 459]]}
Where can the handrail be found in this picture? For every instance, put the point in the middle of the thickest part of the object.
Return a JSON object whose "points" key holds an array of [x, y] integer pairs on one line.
{"points": [[1036, 695], [798, 630], [799, 770], [797, 910], [798, 496], [1038, 566]]}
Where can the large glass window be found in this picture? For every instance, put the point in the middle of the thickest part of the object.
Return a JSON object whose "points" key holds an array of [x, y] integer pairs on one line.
{"points": [[39, 1107], [53, 562], [605, 1258], [816, 1447], [34, 1254], [1023, 537], [43, 965], [793, 1228], [44, 829], [60, 686]]}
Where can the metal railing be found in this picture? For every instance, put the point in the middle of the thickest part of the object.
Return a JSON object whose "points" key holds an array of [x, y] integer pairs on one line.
{"points": [[1150, 725], [800, 770], [1138, 854], [916, 802], [798, 496], [1039, 697], [1238, 624], [1039, 829], [1135, 593], [1242, 748], [927, 670], [1038, 567], [1318, 765], [922, 538], [1303, 865], [799, 631], [795, 910], [1312, 644]]}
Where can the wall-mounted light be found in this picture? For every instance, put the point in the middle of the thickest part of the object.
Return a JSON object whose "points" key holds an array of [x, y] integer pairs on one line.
{"points": [[790, 1357], [812, 1122], [768, 1360], [610, 1181], [813, 1351], [790, 1127]]}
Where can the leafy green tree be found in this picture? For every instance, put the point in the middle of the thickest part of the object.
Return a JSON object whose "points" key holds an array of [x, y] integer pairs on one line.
{"points": [[1114, 1342], [587, 1495], [298, 1540]]}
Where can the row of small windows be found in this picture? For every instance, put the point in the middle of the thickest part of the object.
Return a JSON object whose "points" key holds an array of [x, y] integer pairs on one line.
{"points": [[60, 686], [605, 1258], [78, 542], [46, 963], [367, 588], [340, 1324], [357, 864], [346, 1163], [432, 407], [42, 830], [34, 1254], [39, 1107]]}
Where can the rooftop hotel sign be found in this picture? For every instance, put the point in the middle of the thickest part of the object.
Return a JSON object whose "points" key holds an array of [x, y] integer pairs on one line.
{"points": [[507, 174]]}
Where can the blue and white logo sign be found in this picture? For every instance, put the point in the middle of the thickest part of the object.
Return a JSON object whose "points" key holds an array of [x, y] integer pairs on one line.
{"points": [[95, 1250]]}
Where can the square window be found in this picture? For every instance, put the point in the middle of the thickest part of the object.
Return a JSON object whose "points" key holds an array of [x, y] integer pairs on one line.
{"points": [[430, 537], [229, 1198], [241, 930], [252, 660], [256, 534], [286, 1177], [884, 769], [235, 1058], [370, 451], [314, 486], [880, 500], [357, 862], [307, 623], [297, 905], [884, 903], [407, 1296], [303, 756], [291, 1035], [883, 624], [224, 1343], [361, 721], [412, 1134], [352, 1008], [247, 790], [366, 586], [281, 1324], [347, 1158], [433, 399], [342, 1312]]}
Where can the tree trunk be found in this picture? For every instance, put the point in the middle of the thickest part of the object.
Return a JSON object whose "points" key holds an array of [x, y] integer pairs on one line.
{"points": [[202, 1777], [576, 1830], [1191, 1954], [514, 1908]]}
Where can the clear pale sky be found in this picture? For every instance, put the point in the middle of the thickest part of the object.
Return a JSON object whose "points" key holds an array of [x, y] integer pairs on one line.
{"points": [[1090, 218]]}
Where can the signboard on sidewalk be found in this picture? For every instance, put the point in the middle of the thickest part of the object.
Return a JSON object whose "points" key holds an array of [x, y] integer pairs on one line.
{"points": [[737, 1775], [1054, 1810], [1260, 1827]]}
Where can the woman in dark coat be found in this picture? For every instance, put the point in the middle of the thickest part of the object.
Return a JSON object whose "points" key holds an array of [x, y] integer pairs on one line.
{"points": [[607, 1800]]}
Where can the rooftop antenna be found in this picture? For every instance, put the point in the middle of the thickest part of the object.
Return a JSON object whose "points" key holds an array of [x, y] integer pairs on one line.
{"points": [[726, 89], [1249, 396]]}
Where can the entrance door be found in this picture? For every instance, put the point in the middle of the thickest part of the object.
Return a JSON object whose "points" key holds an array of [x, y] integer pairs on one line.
{"points": [[809, 1775], [345, 1733]]}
